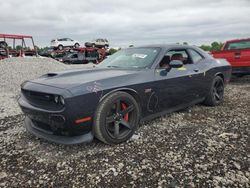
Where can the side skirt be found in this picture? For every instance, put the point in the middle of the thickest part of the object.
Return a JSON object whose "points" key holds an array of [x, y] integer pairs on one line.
{"points": [[179, 107]]}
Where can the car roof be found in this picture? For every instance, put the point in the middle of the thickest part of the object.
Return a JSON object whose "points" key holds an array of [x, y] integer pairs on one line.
{"points": [[238, 40], [166, 46]]}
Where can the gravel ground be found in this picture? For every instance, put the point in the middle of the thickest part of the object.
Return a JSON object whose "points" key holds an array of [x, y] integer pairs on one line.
{"points": [[198, 147], [14, 71]]}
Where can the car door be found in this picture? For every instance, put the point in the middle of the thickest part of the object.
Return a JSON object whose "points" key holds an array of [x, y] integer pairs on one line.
{"points": [[68, 42], [63, 41], [81, 57], [242, 53], [174, 86], [74, 58], [238, 53]]}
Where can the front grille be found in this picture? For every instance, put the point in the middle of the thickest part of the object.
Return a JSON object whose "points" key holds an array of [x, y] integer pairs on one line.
{"points": [[50, 129], [41, 100], [37, 95]]}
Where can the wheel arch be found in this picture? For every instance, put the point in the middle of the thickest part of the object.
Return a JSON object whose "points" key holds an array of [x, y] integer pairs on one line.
{"points": [[130, 91], [220, 74]]}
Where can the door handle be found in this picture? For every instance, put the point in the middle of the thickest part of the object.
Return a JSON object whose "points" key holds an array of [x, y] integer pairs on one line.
{"points": [[237, 55], [196, 70]]}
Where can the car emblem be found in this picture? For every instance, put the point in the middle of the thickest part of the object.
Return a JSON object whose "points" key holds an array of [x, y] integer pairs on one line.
{"points": [[148, 90]]}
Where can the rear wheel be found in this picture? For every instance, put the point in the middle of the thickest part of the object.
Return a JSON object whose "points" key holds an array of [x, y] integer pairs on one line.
{"points": [[60, 47], [77, 45], [66, 62], [216, 92], [116, 118]]}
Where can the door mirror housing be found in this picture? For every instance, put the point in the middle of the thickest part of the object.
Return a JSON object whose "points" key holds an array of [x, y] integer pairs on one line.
{"points": [[176, 64]]}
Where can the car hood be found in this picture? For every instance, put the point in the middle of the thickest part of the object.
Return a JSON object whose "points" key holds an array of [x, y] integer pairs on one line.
{"points": [[72, 78]]}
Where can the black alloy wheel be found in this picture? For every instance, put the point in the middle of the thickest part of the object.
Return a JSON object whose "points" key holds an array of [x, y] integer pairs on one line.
{"points": [[116, 118], [218, 90], [216, 93]]}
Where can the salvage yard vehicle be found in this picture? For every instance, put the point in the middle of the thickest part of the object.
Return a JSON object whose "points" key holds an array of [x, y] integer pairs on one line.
{"points": [[84, 55], [237, 53], [64, 42], [7, 51], [131, 86], [100, 43], [3, 44]]}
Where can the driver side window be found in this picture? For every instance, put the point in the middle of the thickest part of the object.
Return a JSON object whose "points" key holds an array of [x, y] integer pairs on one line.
{"points": [[178, 54]]}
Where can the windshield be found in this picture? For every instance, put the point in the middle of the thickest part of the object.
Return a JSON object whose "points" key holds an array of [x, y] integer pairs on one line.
{"points": [[131, 58]]}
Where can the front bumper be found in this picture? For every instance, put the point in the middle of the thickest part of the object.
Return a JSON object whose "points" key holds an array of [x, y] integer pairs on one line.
{"points": [[40, 133], [56, 123], [241, 70]]}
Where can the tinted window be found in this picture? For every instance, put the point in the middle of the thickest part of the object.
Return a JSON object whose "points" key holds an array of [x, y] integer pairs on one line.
{"points": [[73, 55], [91, 54], [238, 45], [196, 57]]}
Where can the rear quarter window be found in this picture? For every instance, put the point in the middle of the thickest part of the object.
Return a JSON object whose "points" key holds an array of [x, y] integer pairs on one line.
{"points": [[196, 57]]}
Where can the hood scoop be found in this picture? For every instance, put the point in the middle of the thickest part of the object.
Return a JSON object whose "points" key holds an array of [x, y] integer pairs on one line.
{"points": [[51, 74]]}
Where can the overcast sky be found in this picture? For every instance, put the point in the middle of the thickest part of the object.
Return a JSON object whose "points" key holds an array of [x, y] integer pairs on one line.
{"points": [[125, 22]]}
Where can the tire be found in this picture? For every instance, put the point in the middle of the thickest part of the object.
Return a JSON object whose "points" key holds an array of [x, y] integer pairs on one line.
{"points": [[216, 92], [60, 47], [3, 44], [66, 62], [77, 45], [116, 118]]}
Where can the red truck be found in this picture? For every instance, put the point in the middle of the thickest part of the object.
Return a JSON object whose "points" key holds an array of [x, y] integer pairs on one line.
{"points": [[237, 53]]}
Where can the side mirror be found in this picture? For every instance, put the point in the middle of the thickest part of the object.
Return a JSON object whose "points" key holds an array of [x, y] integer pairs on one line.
{"points": [[176, 64]]}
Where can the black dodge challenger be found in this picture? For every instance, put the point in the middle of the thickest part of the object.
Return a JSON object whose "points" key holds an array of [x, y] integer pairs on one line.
{"points": [[108, 101]]}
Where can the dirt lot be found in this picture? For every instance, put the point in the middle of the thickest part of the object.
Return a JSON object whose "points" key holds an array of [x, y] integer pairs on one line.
{"points": [[198, 147]]}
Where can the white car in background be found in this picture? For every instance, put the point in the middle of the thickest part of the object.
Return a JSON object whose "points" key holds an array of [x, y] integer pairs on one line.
{"points": [[64, 42]]}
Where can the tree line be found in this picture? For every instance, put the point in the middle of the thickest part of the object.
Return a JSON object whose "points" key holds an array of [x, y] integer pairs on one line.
{"points": [[214, 46]]}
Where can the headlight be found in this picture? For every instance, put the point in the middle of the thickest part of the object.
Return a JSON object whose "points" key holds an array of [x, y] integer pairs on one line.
{"points": [[56, 99], [59, 99], [62, 100]]}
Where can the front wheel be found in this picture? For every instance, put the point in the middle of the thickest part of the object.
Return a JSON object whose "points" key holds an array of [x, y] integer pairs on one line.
{"points": [[77, 45], [60, 47], [216, 93], [116, 118]]}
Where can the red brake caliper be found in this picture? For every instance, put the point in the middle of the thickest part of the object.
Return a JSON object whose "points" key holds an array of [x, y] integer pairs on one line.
{"points": [[124, 106]]}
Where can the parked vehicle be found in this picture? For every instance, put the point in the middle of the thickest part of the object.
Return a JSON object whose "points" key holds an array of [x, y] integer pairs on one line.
{"points": [[13, 51], [64, 42], [132, 85], [3, 44], [98, 43], [81, 57], [237, 53], [3, 52]]}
